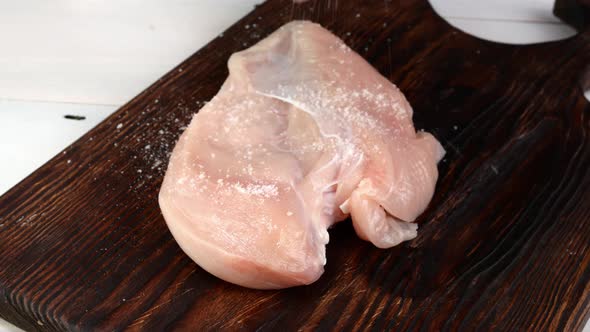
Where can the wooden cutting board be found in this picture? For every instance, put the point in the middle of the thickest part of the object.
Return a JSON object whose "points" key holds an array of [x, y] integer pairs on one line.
{"points": [[504, 245]]}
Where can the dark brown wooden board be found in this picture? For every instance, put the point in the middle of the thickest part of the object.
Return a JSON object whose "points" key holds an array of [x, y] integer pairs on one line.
{"points": [[504, 245]]}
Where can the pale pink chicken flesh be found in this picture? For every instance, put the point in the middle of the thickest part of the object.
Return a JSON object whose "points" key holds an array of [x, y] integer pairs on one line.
{"points": [[303, 134]]}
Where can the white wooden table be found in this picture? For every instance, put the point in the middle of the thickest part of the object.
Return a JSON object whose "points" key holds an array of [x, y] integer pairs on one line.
{"points": [[89, 57]]}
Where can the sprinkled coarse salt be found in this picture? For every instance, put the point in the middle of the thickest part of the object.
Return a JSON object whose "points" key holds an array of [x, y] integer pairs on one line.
{"points": [[157, 163], [264, 190], [119, 126]]}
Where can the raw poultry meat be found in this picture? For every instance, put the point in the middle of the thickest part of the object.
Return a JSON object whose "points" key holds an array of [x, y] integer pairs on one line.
{"points": [[303, 134]]}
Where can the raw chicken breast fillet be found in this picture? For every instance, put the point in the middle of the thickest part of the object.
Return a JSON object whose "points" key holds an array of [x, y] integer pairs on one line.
{"points": [[303, 134]]}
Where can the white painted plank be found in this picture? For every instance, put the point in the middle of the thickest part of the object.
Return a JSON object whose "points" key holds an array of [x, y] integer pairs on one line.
{"points": [[521, 10], [102, 52], [32, 133], [513, 32]]}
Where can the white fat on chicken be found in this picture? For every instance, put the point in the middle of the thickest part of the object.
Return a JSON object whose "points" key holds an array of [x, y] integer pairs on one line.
{"points": [[303, 134]]}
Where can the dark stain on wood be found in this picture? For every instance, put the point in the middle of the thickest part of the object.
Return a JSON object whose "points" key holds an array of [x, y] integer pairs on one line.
{"points": [[504, 245]]}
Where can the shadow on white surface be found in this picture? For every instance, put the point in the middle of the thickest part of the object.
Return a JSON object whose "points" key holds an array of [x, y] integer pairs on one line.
{"points": [[505, 21]]}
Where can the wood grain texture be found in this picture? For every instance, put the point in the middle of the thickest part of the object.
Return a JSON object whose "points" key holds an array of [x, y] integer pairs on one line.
{"points": [[504, 245]]}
